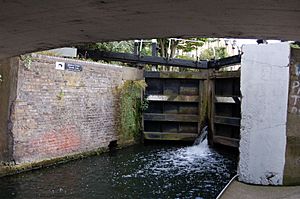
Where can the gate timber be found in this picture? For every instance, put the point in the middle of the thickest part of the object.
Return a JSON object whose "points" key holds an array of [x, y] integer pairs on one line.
{"points": [[225, 108], [181, 103], [175, 105]]}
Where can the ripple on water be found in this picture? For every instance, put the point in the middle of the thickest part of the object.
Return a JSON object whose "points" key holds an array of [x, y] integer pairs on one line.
{"points": [[192, 169], [136, 172]]}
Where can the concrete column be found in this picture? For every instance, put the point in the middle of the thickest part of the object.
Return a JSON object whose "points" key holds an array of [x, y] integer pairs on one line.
{"points": [[8, 90], [264, 87]]}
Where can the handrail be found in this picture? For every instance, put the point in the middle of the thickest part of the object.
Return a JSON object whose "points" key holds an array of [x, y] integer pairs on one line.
{"points": [[225, 188]]}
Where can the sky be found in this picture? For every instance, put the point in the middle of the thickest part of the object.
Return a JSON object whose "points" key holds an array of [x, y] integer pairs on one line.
{"points": [[241, 42]]}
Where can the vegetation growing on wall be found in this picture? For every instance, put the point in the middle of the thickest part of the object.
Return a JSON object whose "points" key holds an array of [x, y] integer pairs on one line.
{"points": [[295, 45], [60, 95], [27, 60], [131, 108]]}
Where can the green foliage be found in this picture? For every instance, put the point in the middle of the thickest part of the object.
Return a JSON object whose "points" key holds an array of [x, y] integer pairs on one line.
{"points": [[186, 45], [294, 45], [27, 60], [185, 57], [146, 50], [193, 44], [145, 104], [115, 46], [131, 107], [166, 44], [48, 53], [208, 54], [60, 95]]}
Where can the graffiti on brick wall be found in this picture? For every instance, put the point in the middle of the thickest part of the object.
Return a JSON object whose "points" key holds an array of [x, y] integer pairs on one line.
{"points": [[295, 97], [295, 92], [60, 142]]}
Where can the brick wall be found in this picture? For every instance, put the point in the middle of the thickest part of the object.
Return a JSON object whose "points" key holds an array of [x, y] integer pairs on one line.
{"points": [[57, 113], [292, 153]]}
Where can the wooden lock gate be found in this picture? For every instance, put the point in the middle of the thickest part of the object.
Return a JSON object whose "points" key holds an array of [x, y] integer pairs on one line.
{"points": [[182, 103]]}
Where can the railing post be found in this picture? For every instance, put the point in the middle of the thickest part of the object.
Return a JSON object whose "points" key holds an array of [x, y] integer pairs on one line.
{"points": [[154, 53]]}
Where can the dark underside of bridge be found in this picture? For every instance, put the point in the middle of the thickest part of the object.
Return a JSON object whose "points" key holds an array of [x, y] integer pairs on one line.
{"points": [[32, 25]]}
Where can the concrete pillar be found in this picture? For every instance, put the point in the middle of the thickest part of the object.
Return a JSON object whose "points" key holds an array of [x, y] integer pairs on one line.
{"points": [[8, 89], [264, 87]]}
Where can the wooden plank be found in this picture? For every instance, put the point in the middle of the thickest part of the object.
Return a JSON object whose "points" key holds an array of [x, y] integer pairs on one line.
{"points": [[226, 74], [233, 142], [225, 62], [170, 117], [231, 100], [173, 98], [176, 75], [170, 136], [211, 110], [232, 121]]}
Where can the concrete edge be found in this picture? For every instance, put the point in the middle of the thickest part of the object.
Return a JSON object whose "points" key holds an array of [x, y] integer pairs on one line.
{"points": [[6, 170], [227, 185]]}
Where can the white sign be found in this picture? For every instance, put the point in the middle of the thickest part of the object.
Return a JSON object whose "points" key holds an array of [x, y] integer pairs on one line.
{"points": [[60, 65]]}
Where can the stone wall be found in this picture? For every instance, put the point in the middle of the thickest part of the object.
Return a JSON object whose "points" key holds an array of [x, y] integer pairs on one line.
{"points": [[59, 112]]}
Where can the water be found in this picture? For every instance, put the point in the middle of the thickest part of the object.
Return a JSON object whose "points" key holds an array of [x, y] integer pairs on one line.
{"points": [[154, 171], [202, 136]]}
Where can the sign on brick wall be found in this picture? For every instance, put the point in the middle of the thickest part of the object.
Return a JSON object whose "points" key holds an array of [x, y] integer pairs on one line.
{"points": [[60, 65], [68, 66], [73, 67]]}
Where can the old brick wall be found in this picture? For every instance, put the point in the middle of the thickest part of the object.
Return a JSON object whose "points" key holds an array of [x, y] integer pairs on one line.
{"points": [[292, 155], [58, 113]]}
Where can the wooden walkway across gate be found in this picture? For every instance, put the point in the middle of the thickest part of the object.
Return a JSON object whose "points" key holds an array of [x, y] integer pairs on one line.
{"points": [[182, 103]]}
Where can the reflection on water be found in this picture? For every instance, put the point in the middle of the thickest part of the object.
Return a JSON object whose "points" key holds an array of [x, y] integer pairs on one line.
{"points": [[136, 172]]}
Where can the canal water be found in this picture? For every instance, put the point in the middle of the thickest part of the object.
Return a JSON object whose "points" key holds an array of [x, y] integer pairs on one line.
{"points": [[151, 171]]}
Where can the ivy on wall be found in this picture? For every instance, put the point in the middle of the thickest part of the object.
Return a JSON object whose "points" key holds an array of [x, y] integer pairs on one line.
{"points": [[27, 60], [131, 107]]}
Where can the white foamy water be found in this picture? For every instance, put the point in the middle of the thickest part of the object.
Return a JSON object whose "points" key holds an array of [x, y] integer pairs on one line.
{"points": [[185, 159], [193, 171], [192, 159]]}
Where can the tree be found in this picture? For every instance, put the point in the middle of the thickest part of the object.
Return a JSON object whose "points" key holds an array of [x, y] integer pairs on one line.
{"points": [[216, 53], [169, 46], [115, 46], [191, 44]]}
